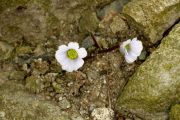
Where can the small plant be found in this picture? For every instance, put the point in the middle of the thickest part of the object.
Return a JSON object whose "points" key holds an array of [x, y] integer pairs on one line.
{"points": [[71, 57], [131, 49]]}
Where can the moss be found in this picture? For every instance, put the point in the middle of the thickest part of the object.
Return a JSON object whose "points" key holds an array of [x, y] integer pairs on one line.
{"points": [[24, 50], [168, 66], [11, 33], [4, 4], [6, 50], [17, 75], [57, 87], [45, 4], [34, 84], [53, 25], [174, 113]]}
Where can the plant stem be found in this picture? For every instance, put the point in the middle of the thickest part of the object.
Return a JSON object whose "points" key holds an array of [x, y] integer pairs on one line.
{"points": [[95, 41]]}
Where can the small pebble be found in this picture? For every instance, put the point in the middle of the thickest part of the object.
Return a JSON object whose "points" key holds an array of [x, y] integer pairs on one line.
{"points": [[2, 114], [64, 104], [102, 114]]}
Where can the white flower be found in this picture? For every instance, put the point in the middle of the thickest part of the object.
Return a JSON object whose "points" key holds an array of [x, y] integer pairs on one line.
{"points": [[131, 49], [70, 57]]}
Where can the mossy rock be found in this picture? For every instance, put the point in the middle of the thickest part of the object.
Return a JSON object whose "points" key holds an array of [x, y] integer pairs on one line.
{"points": [[21, 51], [89, 22], [4, 4], [17, 104], [152, 17], [6, 50], [35, 83], [17, 75], [154, 87], [175, 111]]}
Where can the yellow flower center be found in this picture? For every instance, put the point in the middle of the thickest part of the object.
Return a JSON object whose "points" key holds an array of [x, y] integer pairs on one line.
{"points": [[72, 54], [128, 47]]}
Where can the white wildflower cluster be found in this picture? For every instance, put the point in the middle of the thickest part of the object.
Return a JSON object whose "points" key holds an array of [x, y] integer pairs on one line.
{"points": [[71, 57]]}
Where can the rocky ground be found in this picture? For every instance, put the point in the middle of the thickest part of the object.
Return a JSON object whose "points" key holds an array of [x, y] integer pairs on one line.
{"points": [[34, 87]]}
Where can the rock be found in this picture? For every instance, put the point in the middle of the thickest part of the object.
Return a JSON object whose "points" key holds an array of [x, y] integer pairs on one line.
{"points": [[40, 50], [174, 113], [50, 77], [28, 27], [39, 66], [21, 51], [97, 3], [17, 75], [102, 2], [115, 26], [11, 3], [118, 24], [155, 85], [64, 104], [4, 75], [102, 42], [2, 115], [153, 17], [35, 83], [57, 87], [89, 22], [76, 117], [16, 103], [102, 114], [6, 50], [88, 42], [143, 55], [114, 7], [54, 66]]}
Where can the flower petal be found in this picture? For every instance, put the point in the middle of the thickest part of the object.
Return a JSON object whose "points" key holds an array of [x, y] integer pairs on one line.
{"points": [[73, 65], [60, 56], [136, 46], [82, 53], [122, 46], [78, 64], [67, 68], [129, 58], [62, 48], [74, 45]]}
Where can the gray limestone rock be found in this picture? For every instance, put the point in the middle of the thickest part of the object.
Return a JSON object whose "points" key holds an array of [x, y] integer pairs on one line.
{"points": [[155, 86], [153, 17], [17, 104]]}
